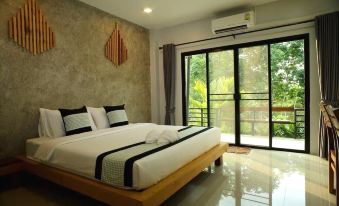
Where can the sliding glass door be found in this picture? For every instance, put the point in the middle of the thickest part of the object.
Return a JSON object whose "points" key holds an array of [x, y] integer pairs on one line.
{"points": [[254, 96], [196, 81], [256, 93], [221, 93], [288, 94]]}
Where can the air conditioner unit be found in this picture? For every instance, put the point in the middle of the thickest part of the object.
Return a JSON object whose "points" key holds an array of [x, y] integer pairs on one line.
{"points": [[233, 23]]}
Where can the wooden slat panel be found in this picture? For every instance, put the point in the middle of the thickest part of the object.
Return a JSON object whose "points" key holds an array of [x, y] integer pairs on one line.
{"points": [[30, 26], [109, 48], [122, 50], [47, 37], [112, 49], [37, 23], [23, 35], [119, 48], [50, 37], [18, 18], [106, 50], [44, 33], [26, 27], [116, 47], [30, 30], [53, 39], [15, 29], [123, 53], [41, 18], [10, 28], [34, 26], [116, 51]]}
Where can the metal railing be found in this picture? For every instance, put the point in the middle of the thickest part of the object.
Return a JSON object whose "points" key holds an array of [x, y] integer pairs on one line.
{"points": [[199, 116]]}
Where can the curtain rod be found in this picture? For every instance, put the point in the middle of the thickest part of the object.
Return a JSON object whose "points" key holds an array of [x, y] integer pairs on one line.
{"points": [[246, 32]]}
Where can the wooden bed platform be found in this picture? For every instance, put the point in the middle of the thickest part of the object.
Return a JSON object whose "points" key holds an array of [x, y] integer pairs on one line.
{"points": [[154, 195]]}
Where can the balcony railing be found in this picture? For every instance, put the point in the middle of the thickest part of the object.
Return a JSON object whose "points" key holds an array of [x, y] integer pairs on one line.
{"points": [[252, 115]]}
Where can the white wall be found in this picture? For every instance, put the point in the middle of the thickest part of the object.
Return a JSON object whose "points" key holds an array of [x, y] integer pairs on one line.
{"points": [[275, 13]]}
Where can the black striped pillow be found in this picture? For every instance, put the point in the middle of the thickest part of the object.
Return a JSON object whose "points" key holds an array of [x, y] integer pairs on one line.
{"points": [[116, 115], [76, 120]]}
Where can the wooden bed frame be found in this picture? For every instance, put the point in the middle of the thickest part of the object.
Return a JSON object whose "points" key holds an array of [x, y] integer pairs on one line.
{"points": [[154, 195]]}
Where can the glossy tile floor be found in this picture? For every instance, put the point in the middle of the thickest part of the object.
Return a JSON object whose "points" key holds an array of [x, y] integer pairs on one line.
{"points": [[259, 178]]}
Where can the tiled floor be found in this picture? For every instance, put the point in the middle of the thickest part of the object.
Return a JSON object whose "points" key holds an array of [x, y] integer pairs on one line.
{"points": [[259, 178]]}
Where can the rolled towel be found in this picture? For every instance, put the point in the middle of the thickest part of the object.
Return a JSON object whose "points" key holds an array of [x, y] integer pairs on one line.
{"points": [[152, 136], [168, 136]]}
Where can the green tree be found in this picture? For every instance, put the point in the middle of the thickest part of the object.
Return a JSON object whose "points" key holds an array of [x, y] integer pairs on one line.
{"points": [[287, 78]]}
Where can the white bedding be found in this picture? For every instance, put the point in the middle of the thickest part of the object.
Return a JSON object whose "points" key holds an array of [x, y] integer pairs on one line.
{"points": [[78, 153]]}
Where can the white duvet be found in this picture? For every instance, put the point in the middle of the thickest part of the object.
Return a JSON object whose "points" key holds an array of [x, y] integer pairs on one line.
{"points": [[78, 153]]}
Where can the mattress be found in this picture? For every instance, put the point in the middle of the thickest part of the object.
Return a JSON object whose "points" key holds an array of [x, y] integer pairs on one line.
{"points": [[78, 153]]}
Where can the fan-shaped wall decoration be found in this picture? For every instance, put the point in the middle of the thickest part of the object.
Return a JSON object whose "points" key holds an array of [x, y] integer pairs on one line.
{"points": [[115, 49], [29, 29]]}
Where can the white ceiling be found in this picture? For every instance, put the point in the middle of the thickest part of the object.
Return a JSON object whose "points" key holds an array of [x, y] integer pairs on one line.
{"points": [[168, 13]]}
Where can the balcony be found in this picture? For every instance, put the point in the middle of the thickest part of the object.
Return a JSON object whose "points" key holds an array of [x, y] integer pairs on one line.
{"points": [[288, 125]]}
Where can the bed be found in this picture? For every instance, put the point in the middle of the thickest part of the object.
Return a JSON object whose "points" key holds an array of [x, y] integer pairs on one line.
{"points": [[73, 161]]}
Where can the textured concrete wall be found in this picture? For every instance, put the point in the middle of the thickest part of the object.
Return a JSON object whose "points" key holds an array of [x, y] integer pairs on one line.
{"points": [[72, 74]]}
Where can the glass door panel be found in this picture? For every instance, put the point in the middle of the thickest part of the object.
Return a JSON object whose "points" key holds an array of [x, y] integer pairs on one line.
{"points": [[221, 93], [195, 69], [254, 96], [288, 94]]}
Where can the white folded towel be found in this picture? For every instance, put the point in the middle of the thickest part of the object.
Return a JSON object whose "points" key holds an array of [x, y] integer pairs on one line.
{"points": [[152, 136], [168, 136]]}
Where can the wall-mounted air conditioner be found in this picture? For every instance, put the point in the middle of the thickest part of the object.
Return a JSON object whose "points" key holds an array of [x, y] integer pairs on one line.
{"points": [[233, 23]]}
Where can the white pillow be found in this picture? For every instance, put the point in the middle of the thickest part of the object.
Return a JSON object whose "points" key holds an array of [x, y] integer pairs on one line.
{"points": [[52, 125], [99, 117]]}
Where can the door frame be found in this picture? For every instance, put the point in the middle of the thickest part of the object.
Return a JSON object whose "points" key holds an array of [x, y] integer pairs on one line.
{"points": [[235, 49]]}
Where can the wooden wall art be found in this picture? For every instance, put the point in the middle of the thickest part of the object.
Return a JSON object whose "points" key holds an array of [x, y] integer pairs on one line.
{"points": [[115, 49], [30, 30]]}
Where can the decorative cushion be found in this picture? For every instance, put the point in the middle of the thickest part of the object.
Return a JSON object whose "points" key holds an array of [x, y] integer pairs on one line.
{"points": [[116, 115], [77, 120], [99, 116]]}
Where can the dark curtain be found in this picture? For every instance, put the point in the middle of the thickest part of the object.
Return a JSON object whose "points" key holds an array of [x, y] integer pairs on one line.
{"points": [[327, 38], [169, 82]]}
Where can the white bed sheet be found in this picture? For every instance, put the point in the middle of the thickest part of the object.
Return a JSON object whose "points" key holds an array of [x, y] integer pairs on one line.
{"points": [[78, 153]]}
